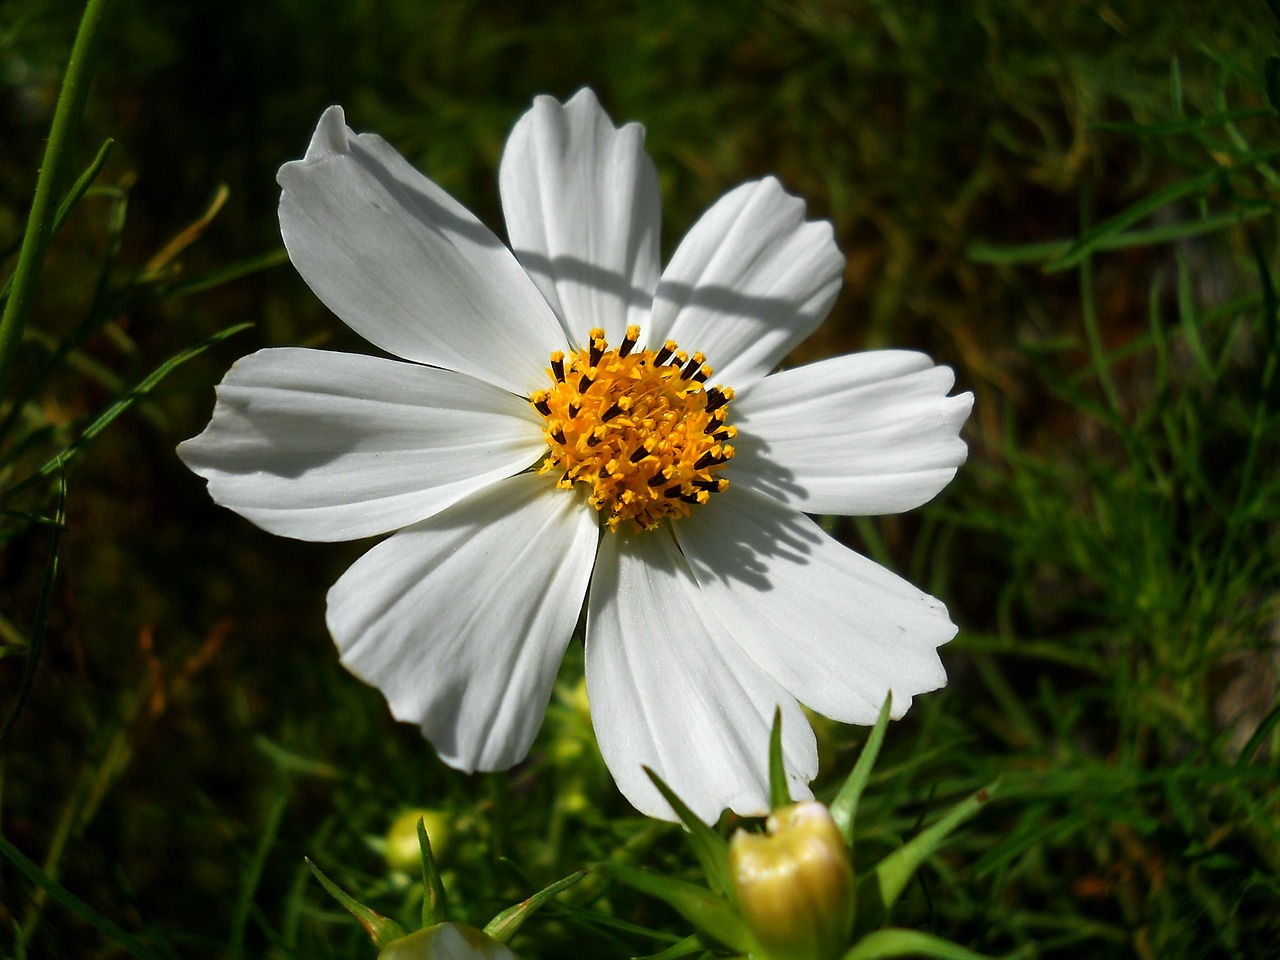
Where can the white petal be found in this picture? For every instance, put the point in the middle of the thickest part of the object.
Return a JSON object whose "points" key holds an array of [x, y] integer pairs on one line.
{"points": [[335, 446], [670, 690], [462, 620], [751, 280], [583, 213], [837, 630], [408, 267], [863, 434]]}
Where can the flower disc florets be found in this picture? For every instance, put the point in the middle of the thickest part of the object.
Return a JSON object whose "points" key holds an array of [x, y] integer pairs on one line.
{"points": [[639, 427]]}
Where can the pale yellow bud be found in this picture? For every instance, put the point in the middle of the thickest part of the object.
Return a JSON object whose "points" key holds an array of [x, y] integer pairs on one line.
{"points": [[795, 884], [447, 941], [402, 850]]}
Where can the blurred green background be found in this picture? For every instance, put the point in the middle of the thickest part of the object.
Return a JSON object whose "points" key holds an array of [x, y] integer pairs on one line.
{"points": [[1110, 550]]}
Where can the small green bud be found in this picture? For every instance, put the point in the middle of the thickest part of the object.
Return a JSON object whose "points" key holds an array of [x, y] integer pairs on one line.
{"points": [[795, 884], [402, 851], [447, 941]]}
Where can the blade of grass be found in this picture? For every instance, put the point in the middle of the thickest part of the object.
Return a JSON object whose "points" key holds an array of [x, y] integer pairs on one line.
{"points": [[42, 610], [35, 242], [69, 203], [105, 419], [253, 876], [73, 903], [1052, 250]]}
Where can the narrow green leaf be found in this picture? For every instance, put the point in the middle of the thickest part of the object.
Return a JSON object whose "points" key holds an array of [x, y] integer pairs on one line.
{"points": [[1052, 250], [844, 808], [1271, 77], [504, 926], [702, 908], [710, 848], [779, 793], [1259, 737], [70, 201], [73, 903], [108, 416], [894, 942], [1091, 239], [288, 762], [221, 276], [253, 876], [880, 889], [36, 238], [435, 908], [43, 602], [685, 948], [382, 930]]}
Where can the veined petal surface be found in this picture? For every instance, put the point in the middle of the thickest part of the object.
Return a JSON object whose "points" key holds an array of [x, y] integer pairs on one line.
{"points": [[670, 690], [462, 620], [835, 629], [583, 213], [325, 446], [408, 267], [750, 280], [862, 434], [320, 445]]}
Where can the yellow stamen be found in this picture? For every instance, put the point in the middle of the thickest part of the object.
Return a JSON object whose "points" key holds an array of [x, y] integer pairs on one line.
{"points": [[638, 427]]}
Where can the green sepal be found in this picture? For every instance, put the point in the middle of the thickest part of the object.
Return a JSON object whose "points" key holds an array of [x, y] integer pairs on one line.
{"points": [[880, 888], [382, 930], [435, 908], [711, 849], [504, 926], [709, 913], [779, 792], [908, 943], [844, 808]]}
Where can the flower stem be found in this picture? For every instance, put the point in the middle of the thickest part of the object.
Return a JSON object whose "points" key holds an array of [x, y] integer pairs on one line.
{"points": [[66, 120]]}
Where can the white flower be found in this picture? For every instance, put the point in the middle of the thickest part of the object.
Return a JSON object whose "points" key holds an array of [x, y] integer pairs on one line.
{"points": [[675, 509]]}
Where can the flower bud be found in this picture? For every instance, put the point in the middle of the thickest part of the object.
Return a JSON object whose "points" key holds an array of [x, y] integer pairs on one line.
{"points": [[402, 851], [795, 884], [447, 941]]}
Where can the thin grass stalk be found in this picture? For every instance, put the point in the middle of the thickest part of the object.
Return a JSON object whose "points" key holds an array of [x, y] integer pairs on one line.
{"points": [[35, 241]]}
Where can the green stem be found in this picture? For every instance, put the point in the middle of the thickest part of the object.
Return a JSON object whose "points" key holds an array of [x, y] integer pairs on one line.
{"points": [[66, 120]]}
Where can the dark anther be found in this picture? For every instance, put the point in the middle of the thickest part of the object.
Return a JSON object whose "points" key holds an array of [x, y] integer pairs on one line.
{"points": [[711, 486], [596, 352], [672, 492], [691, 367], [701, 375], [722, 436], [543, 408], [593, 441], [663, 355], [715, 400], [584, 383], [610, 413], [638, 454], [573, 410], [658, 479], [714, 424], [709, 460], [557, 367], [690, 498], [558, 435], [627, 346]]}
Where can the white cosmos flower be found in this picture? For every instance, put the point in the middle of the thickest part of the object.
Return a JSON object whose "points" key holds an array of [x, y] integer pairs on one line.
{"points": [[537, 444]]}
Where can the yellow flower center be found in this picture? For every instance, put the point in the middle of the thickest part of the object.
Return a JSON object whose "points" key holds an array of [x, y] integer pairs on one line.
{"points": [[638, 427]]}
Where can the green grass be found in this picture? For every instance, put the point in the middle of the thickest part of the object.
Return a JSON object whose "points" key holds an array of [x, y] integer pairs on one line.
{"points": [[1073, 204]]}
